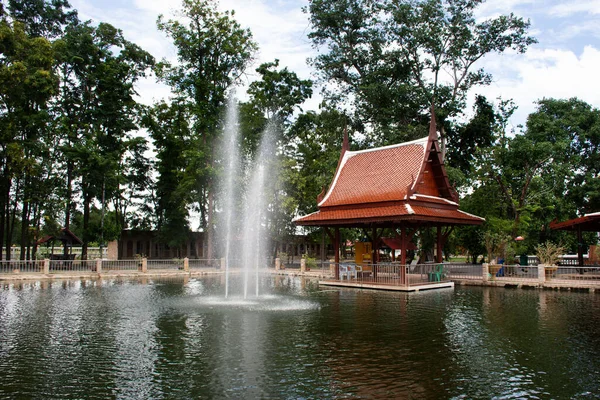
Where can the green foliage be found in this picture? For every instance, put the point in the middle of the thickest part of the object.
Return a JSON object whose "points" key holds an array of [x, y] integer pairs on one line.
{"points": [[386, 57], [279, 92], [310, 261], [213, 52]]}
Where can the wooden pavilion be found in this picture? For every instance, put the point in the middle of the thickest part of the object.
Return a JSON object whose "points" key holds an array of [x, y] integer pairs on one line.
{"points": [[587, 223], [404, 187]]}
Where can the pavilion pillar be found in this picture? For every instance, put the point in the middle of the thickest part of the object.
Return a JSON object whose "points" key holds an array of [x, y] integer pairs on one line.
{"points": [[374, 252], [336, 247], [403, 246], [579, 246], [438, 257]]}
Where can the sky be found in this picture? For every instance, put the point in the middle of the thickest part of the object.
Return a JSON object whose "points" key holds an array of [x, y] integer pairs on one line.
{"points": [[564, 64]]}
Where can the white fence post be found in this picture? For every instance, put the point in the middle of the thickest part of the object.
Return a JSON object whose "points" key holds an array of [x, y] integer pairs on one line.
{"points": [[485, 271], [302, 265], [186, 264], [541, 273], [46, 266], [277, 264], [144, 265], [98, 265]]}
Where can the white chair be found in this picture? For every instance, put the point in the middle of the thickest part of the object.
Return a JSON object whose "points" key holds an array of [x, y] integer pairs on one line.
{"points": [[344, 272], [352, 273]]}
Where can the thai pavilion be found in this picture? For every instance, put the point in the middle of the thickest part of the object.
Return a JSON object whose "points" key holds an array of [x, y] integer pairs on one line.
{"points": [[404, 187]]}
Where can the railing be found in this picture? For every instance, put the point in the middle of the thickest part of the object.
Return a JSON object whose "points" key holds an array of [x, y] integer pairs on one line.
{"points": [[208, 263], [567, 274], [17, 266], [121, 265], [464, 271], [176, 264], [392, 274], [57, 266], [514, 273]]}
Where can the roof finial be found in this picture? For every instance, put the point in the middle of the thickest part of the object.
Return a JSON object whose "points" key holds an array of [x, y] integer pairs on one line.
{"points": [[346, 143], [432, 125]]}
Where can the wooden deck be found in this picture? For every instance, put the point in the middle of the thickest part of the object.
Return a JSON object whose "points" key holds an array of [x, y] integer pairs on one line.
{"points": [[390, 286]]}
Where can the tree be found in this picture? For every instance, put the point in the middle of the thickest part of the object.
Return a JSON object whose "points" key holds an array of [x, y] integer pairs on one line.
{"points": [[170, 130], [27, 82], [42, 18], [573, 128], [390, 56], [97, 112], [213, 52]]}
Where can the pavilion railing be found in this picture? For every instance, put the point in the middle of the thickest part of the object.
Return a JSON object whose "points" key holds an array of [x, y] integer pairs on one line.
{"points": [[393, 274]]}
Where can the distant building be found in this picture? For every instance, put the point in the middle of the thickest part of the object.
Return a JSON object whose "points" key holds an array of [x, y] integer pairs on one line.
{"points": [[138, 243]]}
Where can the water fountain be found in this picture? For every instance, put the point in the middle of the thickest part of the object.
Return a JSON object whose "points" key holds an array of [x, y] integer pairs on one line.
{"points": [[250, 236]]}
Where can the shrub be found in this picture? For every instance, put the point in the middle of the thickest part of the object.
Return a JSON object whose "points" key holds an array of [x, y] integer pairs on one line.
{"points": [[549, 253]]}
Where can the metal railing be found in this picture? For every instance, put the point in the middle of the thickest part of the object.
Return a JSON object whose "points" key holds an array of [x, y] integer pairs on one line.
{"points": [[580, 274], [121, 265], [207, 263], [391, 274], [464, 271], [514, 272], [18, 266], [175, 263], [57, 266]]}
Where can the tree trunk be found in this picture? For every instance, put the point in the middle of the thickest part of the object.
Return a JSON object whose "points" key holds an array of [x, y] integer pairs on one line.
{"points": [[209, 227], [69, 194], [24, 225], [86, 223]]}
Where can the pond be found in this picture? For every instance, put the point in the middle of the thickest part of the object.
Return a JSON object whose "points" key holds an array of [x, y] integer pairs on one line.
{"points": [[179, 339]]}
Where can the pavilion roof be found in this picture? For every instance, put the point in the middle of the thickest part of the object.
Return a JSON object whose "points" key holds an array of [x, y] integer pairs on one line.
{"points": [[388, 185], [589, 222], [65, 236]]}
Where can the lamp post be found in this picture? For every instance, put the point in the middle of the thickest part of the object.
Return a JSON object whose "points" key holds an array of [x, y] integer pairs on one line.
{"points": [[523, 259]]}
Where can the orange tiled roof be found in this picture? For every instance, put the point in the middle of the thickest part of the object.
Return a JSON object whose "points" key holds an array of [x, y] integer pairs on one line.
{"points": [[398, 211], [381, 174]]}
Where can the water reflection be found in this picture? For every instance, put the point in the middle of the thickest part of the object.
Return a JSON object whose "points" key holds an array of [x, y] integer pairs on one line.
{"points": [[176, 338]]}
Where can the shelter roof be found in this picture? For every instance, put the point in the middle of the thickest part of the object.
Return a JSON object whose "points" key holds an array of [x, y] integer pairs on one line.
{"points": [[376, 175], [65, 236], [589, 222], [391, 184]]}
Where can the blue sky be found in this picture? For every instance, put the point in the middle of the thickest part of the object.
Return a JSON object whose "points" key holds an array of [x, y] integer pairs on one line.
{"points": [[565, 63]]}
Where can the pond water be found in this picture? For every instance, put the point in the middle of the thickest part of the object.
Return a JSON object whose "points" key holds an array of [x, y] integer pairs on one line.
{"points": [[179, 339]]}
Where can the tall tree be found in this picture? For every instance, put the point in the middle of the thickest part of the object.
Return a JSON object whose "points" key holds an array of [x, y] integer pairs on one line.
{"points": [[572, 126], [99, 68], [213, 51], [27, 82], [394, 58]]}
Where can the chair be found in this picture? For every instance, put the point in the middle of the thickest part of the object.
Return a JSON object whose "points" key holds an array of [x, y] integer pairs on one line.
{"points": [[437, 273], [413, 265], [344, 272]]}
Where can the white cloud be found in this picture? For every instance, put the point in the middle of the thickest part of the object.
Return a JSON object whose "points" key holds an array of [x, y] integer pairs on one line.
{"points": [[543, 74], [574, 7]]}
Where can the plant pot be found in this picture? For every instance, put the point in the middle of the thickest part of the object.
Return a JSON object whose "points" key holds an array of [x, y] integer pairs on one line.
{"points": [[494, 268]]}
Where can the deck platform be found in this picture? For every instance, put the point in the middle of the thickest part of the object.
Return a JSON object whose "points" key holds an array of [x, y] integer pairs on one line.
{"points": [[384, 286]]}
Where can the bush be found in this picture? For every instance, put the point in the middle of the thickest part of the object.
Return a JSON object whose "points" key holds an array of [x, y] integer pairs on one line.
{"points": [[310, 261], [549, 253]]}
